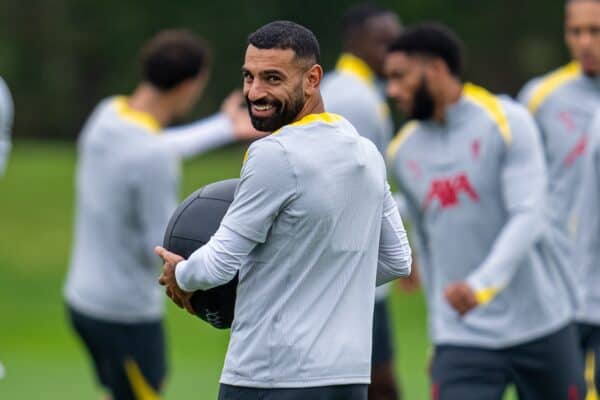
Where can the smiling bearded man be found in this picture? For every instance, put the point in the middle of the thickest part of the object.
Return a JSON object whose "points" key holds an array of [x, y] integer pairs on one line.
{"points": [[312, 197]]}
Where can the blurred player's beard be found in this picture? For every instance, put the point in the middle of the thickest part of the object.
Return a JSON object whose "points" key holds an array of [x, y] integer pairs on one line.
{"points": [[423, 103], [283, 115]]}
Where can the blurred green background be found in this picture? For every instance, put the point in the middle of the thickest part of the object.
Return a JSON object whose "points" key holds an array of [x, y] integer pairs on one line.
{"points": [[60, 57]]}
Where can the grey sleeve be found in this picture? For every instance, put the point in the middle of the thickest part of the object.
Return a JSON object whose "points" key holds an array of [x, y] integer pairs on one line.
{"points": [[215, 263], [156, 190], [267, 185], [524, 181], [394, 251], [199, 137], [6, 122], [588, 204]]}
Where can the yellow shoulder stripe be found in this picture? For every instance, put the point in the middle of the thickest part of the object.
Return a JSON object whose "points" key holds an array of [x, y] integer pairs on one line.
{"points": [[328, 118], [400, 138], [140, 387], [141, 118], [353, 65], [492, 106], [551, 83]]}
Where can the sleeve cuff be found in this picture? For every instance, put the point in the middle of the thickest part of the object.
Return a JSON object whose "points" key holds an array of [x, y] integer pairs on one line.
{"points": [[483, 294], [182, 276]]}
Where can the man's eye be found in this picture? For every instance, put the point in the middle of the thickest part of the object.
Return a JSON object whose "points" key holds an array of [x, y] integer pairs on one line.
{"points": [[273, 79], [247, 76]]}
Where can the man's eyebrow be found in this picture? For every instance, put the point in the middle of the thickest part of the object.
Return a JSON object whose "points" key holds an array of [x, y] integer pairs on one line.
{"points": [[272, 71]]}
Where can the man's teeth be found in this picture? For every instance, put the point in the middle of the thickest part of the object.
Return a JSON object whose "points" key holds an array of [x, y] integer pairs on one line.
{"points": [[263, 108]]}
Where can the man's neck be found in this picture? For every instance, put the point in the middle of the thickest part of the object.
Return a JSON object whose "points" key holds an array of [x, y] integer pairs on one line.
{"points": [[148, 99], [450, 94], [313, 105]]}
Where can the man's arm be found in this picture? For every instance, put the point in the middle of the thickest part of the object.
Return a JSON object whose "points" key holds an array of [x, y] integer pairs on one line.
{"points": [[266, 185], [6, 121], [394, 251], [524, 193], [232, 123], [215, 263]]}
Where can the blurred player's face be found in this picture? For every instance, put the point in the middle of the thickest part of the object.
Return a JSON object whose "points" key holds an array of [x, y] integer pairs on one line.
{"points": [[582, 34], [378, 34], [408, 85], [273, 87]]}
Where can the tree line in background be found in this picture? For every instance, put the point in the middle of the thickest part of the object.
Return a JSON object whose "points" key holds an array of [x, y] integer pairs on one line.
{"points": [[60, 57]]}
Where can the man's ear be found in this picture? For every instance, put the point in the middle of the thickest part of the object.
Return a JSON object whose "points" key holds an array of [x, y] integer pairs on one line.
{"points": [[312, 79]]}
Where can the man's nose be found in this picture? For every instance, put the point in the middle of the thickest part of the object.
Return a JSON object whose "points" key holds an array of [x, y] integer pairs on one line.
{"points": [[255, 90]]}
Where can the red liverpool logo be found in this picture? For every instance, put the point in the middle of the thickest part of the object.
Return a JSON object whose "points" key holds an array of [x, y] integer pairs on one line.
{"points": [[447, 190]]}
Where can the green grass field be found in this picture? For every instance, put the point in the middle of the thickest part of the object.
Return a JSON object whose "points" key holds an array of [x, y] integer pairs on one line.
{"points": [[43, 359]]}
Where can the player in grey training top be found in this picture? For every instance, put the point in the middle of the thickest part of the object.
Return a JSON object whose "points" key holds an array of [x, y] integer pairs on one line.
{"points": [[355, 91], [587, 257], [563, 103], [470, 165], [300, 231], [127, 188], [6, 122]]}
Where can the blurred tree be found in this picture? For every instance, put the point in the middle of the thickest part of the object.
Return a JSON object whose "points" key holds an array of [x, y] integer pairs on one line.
{"points": [[60, 57]]}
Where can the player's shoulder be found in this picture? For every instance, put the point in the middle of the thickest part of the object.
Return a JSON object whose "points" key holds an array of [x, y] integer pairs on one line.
{"points": [[401, 140], [543, 88], [495, 108]]}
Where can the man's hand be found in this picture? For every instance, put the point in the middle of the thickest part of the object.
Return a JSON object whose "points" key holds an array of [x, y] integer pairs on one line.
{"points": [[167, 279], [461, 297], [233, 106], [412, 282]]}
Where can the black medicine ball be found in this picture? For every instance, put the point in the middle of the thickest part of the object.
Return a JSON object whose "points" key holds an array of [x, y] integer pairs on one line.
{"points": [[190, 227]]}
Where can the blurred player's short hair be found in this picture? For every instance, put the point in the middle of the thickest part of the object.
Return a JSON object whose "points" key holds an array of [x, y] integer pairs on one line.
{"points": [[285, 35], [432, 39], [356, 15], [173, 56]]}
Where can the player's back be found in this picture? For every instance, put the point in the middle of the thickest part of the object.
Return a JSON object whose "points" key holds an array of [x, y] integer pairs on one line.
{"points": [[112, 249], [305, 296], [352, 91]]}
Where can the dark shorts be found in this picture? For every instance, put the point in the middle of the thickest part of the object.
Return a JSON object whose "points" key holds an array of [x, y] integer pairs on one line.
{"points": [[341, 392], [589, 342], [383, 351], [548, 368], [129, 359]]}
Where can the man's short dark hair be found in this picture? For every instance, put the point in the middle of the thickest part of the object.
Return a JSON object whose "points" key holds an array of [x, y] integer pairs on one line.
{"points": [[285, 35], [432, 40], [356, 15], [171, 57]]}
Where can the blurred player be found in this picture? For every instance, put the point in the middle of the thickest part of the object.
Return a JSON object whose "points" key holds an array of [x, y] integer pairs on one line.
{"points": [[6, 121], [300, 231], [588, 258], [471, 167], [127, 188], [356, 92], [563, 103]]}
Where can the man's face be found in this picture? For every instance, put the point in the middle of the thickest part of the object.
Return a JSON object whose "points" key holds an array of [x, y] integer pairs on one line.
{"points": [[582, 34], [408, 86], [273, 87], [378, 34]]}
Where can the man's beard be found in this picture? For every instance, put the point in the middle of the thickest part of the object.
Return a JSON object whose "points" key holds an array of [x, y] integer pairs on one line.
{"points": [[423, 103], [283, 115]]}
